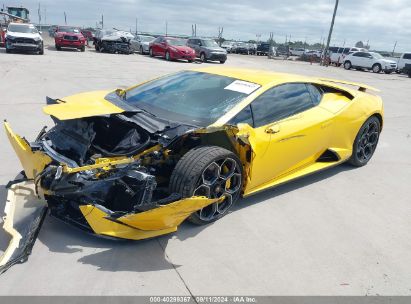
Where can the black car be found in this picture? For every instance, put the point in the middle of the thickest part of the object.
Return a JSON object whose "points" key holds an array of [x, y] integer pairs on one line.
{"points": [[241, 48], [263, 48]]}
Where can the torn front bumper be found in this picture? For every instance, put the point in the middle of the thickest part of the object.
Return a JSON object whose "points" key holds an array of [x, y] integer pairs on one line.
{"points": [[24, 214], [25, 210]]}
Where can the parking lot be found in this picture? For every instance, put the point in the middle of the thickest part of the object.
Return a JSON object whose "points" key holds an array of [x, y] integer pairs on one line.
{"points": [[344, 231]]}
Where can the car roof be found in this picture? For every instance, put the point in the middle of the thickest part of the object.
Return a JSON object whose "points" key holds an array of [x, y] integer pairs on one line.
{"points": [[260, 77]]}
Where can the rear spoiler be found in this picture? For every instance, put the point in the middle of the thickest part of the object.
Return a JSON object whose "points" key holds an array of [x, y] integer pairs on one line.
{"points": [[361, 87]]}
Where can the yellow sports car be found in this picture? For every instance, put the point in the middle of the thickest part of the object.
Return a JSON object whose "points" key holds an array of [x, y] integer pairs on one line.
{"points": [[136, 163]]}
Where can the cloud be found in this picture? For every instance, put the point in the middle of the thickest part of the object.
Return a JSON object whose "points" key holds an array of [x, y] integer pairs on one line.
{"points": [[379, 21]]}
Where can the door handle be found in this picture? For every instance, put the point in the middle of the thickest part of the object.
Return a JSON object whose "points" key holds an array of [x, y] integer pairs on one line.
{"points": [[273, 129]]}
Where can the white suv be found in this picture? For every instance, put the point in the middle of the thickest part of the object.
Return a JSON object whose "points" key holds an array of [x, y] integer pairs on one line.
{"points": [[370, 61], [24, 37], [404, 59]]}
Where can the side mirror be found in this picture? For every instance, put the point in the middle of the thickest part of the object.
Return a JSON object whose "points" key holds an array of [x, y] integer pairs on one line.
{"points": [[40, 32]]}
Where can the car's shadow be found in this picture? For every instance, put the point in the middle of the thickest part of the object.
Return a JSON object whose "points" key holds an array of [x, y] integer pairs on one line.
{"points": [[146, 255]]}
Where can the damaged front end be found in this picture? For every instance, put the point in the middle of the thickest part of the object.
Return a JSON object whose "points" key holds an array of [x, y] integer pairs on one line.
{"points": [[104, 174]]}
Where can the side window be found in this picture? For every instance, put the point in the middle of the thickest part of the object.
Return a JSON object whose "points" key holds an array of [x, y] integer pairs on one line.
{"points": [[358, 54], [315, 93], [407, 56], [245, 116], [280, 102]]}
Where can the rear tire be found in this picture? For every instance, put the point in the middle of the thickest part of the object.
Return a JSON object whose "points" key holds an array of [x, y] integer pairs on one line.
{"points": [[222, 61], [387, 72], [8, 51], [83, 48], [150, 51], [347, 65], [365, 142], [141, 50], [58, 48], [203, 57], [212, 172]]}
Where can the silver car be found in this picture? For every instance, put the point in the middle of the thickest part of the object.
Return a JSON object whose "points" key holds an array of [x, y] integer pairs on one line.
{"points": [[207, 49], [140, 43]]}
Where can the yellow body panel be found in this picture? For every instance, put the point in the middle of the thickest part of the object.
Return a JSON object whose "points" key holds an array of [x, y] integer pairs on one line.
{"points": [[167, 216], [83, 105], [137, 226], [32, 162]]}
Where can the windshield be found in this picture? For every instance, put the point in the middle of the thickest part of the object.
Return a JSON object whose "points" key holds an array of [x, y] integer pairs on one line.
{"points": [[194, 98], [376, 55], [22, 28], [146, 39], [209, 43], [68, 29], [176, 42]]}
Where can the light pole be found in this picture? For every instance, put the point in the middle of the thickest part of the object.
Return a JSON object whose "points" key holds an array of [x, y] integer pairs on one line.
{"points": [[330, 32]]}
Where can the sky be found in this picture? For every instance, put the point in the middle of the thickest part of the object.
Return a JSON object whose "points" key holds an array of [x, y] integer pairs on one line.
{"points": [[380, 22]]}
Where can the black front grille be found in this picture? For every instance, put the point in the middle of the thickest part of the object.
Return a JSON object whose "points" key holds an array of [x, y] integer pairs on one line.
{"points": [[25, 40], [71, 38]]}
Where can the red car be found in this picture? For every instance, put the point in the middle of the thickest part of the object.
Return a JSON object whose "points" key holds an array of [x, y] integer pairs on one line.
{"points": [[171, 49], [69, 37]]}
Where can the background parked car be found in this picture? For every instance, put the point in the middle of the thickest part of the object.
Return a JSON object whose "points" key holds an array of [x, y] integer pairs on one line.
{"points": [[338, 54], [113, 41], [404, 59], [140, 43], [314, 53], [69, 37], [370, 61], [297, 51], [227, 45], [23, 37], [171, 49], [240, 48], [207, 49], [252, 48], [88, 34], [282, 50], [263, 48]]}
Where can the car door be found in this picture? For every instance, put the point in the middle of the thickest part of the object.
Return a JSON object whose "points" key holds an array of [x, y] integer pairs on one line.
{"points": [[368, 60], [356, 59], [195, 45], [289, 131]]}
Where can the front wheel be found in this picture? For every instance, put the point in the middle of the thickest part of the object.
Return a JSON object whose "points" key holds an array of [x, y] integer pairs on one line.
{"points": [[150, 51], [376, 68], [83, 48], [203, 57], [141, 50], [8, 51], [168, 58], [209, 171], [365, 142], [387, 72], [222, 61]]}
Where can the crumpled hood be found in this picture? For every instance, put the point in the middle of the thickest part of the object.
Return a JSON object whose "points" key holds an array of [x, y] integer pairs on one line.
{"points": [[83, 105], [24, 35]]}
